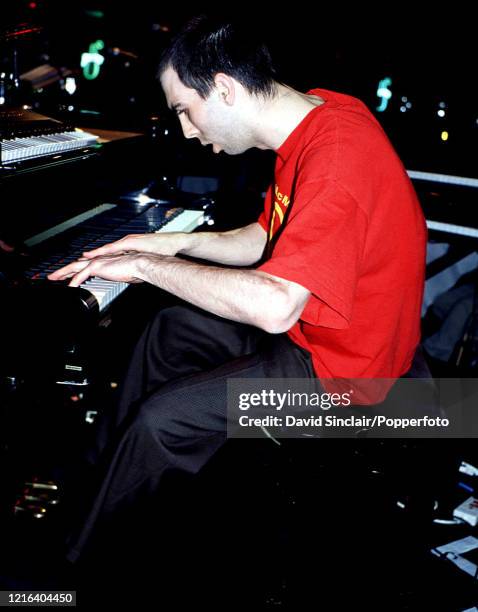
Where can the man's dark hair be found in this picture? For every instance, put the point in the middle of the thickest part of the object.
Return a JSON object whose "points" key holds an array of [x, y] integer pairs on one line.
{"points": [[206, 46]]}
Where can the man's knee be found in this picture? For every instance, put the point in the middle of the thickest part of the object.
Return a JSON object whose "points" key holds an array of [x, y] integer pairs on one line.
{"points": [[183, 325], [177, 414], [183, 438], [169, 320]]}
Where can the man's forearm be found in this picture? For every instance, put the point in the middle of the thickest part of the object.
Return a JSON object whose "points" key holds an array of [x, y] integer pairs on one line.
{"points": [[247, 296], [240, 247]]}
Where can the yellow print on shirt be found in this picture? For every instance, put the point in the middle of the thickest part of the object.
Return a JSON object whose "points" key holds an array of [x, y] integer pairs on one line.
{"points": [[281, 203]]}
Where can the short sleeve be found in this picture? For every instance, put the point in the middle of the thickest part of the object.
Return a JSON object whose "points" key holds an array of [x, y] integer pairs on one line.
{"points": [[321, 248]]}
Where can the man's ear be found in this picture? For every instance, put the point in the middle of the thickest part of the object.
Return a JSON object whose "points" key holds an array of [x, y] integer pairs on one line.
{"points": [[225, 87]]}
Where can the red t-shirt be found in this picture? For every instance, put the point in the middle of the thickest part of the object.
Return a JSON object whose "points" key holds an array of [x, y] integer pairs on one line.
{"points": [[355, 237]]}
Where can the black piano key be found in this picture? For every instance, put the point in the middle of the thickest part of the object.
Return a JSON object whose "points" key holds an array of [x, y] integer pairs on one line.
{"points": [[108, 226]]}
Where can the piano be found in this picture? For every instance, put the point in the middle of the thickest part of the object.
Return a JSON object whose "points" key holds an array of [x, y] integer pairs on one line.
{"points": [[26, 135], [65, 191], [106, 223]]}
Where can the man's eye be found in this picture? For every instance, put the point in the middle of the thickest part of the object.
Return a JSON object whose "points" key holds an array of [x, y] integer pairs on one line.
{"points": [[181, 111]]}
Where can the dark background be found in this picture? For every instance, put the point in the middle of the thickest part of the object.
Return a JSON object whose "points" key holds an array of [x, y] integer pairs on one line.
{"points": [[431, 58]]}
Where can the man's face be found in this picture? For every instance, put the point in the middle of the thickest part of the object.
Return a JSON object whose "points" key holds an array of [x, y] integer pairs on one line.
{"points": [[211, 120]]}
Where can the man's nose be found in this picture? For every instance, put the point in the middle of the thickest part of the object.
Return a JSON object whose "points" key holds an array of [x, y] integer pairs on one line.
{"points": [[189, 130]]}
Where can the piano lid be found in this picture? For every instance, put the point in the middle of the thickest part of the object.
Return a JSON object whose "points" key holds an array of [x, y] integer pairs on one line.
{"points": [[17, 120]]}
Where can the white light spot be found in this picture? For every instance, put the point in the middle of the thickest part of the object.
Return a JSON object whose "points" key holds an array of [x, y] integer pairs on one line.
{"points": [[143, 199], [70, 85]]}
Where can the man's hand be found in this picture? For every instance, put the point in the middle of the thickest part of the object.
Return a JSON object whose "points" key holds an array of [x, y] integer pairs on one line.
{"points": [[122, 268], [240, 247], [168, 243], [248, 296]]}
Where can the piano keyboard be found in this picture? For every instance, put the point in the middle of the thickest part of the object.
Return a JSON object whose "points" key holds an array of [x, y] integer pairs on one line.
{"points": [[28, 147], [110, 224], [106, 291]]}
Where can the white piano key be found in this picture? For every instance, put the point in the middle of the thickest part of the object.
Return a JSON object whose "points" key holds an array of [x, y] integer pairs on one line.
{"points": [[17, 149], [186, 221]]}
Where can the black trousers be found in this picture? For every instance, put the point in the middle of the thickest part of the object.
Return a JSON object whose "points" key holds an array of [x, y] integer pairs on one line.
{"points": [[172, 412]]}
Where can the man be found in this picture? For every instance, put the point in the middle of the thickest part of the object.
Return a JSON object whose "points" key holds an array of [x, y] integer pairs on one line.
{"points": [[327, 283]]}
